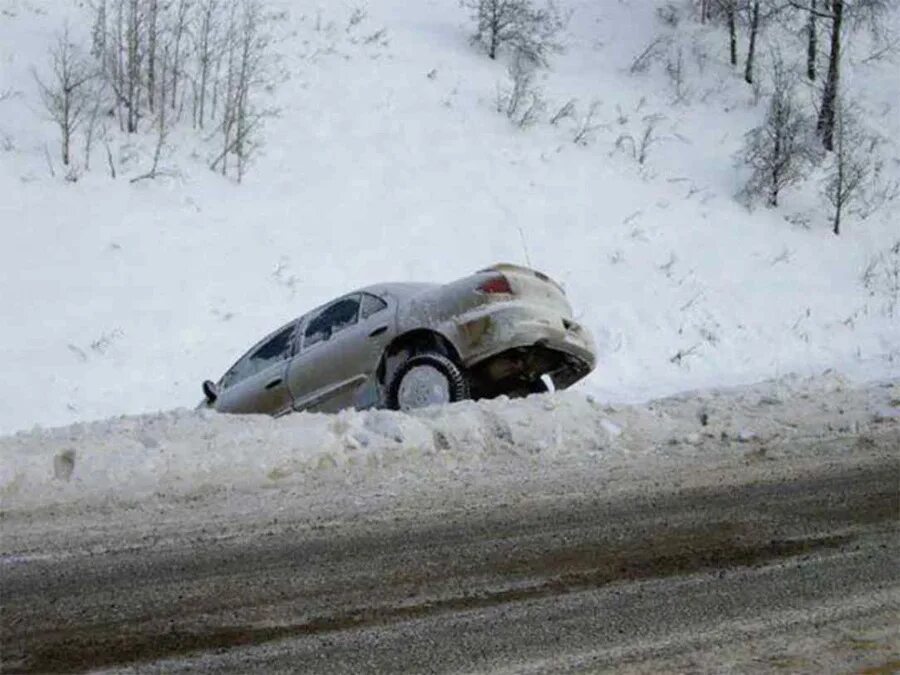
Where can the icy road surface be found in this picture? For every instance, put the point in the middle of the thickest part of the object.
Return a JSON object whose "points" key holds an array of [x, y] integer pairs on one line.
{"points": [[749, 530]]}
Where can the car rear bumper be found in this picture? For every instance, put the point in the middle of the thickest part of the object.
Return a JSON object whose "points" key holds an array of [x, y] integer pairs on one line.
{"points": [[520, 327]]}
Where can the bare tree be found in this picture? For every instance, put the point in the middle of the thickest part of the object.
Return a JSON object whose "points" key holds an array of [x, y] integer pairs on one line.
{"points": [[777, 152], [518, 25], [132, 92], [759, 14], [117, 35], [207, 36], [99, 29], [726, 11], [152, 31], [179, 37], [850, 166], [825, 122], [162, 128], [652, 52], [66, 94], [751, 49], [730, 9], [247, 45], [109, 156], [209, 56], [811, 42], [98, 96], [837, 12]]}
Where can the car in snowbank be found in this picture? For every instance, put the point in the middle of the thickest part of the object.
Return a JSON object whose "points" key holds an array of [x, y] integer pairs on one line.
{"points": [[411, 345]]}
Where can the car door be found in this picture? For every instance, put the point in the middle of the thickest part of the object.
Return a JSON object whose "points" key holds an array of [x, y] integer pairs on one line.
{"points": [[342, 344], [258, 382]]}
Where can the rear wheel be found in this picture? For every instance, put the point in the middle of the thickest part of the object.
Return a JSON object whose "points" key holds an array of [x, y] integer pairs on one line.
{"points": [[538, 386], [424, 380], [523, 389]]}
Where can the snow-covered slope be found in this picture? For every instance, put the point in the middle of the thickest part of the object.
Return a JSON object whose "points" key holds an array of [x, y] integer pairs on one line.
{"points": [[388, 161]]}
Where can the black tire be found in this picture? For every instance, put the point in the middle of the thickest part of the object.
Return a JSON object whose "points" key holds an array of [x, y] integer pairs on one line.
{"points": [[538, 386], [457, 383], [525, 389]]}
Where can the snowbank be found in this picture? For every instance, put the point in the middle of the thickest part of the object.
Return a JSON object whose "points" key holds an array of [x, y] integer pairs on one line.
{"points": [[170, 455]]}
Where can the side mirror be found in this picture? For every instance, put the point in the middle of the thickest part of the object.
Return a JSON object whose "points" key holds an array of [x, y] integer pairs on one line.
{"points": [[209, 391]]}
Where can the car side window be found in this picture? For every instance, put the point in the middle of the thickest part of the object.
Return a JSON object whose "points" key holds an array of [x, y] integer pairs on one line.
{"points": [[371, 305], [331, 320], [274, 349]]}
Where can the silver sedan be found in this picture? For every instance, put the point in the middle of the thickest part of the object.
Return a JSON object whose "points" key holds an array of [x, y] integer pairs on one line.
{"points": [[504, 330]]}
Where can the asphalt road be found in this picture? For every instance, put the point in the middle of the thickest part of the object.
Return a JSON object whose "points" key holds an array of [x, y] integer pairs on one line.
{"points": [[760, 568]]}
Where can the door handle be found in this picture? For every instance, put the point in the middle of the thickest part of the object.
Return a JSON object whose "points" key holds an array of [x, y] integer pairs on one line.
{"points": [[378, 331], [274, 383]]}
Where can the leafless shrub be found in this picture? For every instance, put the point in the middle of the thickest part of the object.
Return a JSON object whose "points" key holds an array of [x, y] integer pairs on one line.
{"points": [[587, 126], [49, 161], [701, 57], [869, 272], [522, 102], [518, 25], [6, 141], [783, 257], [651, 53], [676, 71], [800, 220], [668, 267], [881, 278], [568, 110], [757, 90], [378, 38], [639, 148], [669, 14], [680, 357], [357, 16], [690, 303]]}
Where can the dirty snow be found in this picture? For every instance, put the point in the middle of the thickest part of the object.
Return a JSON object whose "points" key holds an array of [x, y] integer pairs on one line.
{"points": [[179, 454]]}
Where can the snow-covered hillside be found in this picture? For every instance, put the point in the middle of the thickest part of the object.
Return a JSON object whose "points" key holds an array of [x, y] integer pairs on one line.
{"points": [[388, 161]]}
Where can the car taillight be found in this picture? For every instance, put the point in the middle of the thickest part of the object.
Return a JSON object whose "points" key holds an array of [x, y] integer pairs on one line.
{"points": [[497, 284]]}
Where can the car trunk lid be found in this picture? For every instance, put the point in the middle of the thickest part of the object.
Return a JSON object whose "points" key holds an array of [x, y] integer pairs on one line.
{"points": [[527, 285]]}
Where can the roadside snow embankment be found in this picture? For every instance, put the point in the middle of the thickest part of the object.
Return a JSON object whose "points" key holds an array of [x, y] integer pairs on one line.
{"points": [[183, 453]]}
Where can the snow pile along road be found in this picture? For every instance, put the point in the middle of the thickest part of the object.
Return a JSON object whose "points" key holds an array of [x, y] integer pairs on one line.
{"points": [[180, 453]]}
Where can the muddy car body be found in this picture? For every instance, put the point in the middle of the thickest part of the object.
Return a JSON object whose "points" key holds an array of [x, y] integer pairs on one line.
{"points": [[401, 346]]}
